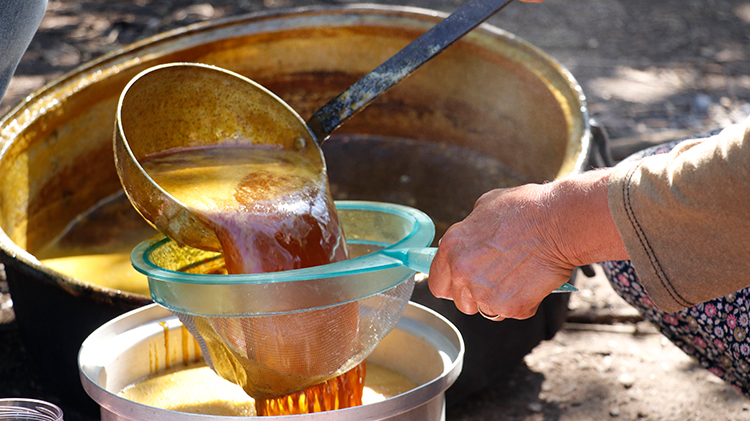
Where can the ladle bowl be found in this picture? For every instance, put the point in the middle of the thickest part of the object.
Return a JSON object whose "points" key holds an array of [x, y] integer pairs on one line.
{"points": [[190, 105]]}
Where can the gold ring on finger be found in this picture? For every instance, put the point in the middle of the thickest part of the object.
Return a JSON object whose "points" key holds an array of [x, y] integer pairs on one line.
{"points": [[489, 316]]}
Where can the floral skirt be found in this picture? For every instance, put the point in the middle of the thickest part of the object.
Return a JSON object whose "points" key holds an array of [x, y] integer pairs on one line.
{"points": [[716, 333]]}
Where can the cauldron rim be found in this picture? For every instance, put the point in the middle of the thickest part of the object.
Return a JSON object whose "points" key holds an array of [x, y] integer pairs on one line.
{"points": [[21, 260]]}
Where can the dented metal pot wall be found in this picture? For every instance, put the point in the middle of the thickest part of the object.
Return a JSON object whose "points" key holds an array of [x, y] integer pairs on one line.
{"points": [[491, 111]]}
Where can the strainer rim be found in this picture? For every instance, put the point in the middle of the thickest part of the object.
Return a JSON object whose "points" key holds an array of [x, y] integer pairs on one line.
{"points": [[421, 235]]}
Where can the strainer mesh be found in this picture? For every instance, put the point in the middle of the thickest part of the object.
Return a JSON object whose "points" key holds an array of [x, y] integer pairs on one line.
{"points": [[275, 355]]}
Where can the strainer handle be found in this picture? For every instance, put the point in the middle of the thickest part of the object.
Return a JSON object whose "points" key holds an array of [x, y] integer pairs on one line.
{"points": [[419, 259]]}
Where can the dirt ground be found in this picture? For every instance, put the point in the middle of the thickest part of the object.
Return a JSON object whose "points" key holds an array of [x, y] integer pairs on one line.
{"points": [[652, 71]]}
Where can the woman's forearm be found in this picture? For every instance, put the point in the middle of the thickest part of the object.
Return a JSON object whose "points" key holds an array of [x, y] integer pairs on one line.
{"points": [[581, 223]]}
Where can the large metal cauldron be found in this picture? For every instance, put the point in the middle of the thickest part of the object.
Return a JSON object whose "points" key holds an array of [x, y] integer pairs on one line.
{"points": [[492, 111]]}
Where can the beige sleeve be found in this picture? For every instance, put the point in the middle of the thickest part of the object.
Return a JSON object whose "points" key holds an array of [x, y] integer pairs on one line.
{"points": [[685, 218]]}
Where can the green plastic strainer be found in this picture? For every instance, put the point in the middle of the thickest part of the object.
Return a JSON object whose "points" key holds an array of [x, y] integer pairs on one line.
{"points": [[281, 332]]}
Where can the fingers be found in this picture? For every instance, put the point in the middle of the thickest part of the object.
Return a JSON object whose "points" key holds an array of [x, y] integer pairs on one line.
{"points": [[472, 294], [480, 287], [488, 313], [444, 285], [439, 281], [449, 278], [465, 302], [497, 258]]}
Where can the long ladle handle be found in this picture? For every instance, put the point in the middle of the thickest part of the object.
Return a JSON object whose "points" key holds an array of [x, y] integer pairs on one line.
{"points": [[401, 65]]}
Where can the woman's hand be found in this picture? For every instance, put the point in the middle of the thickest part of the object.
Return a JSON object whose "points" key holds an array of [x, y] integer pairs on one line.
{"points": [[519, 244]]}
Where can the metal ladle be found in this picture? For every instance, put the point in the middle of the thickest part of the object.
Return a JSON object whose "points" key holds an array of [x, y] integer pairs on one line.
{"points": [[183, 105]]}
